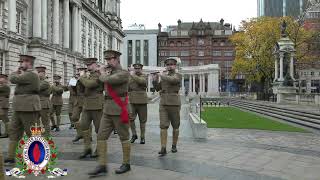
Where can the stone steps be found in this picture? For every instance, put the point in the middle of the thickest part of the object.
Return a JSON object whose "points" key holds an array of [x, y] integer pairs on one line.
{"points": [[307, 119]]}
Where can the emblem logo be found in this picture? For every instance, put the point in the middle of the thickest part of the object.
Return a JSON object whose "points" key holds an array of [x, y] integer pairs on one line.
{"points": [[36, 155]]}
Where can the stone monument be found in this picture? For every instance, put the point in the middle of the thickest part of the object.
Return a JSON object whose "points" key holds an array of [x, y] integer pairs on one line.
{"points": [[284, 74]]}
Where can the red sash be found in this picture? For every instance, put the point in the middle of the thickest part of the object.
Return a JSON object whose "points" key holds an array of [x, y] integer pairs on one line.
{"points": [[122, 104]]}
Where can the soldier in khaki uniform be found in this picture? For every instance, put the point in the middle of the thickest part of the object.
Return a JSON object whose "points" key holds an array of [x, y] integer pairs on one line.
{"points": [[93, 103], [170, 104], [138, 101], [1, 165], [77, 106], [72, 96], [115, 112], [56, 101], [4, 103], [26, 103], [44, 94]]}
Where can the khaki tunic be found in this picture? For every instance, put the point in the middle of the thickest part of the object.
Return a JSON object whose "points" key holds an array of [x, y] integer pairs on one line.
{"points": [[26, 103], [170, 103], [138, 97], [45, 91], [93, 101], [56, 99], [78, 102], [110, 120], [4, 102]]}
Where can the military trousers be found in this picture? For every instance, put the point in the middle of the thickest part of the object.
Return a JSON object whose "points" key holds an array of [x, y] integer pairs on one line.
{"points": [[5, 119], [44, 116], [56, 110], [70, 110], [89, 116], [21, 122], [109, 123], [1, 165], [142, 111], [169, 115]]}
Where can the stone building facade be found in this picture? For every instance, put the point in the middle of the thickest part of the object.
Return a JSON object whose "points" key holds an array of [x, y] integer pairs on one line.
{"points": [[59, 33], [200, 43]]}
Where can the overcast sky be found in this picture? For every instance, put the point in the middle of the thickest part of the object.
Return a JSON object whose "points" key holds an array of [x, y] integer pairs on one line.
{"points": [[151, 12]]}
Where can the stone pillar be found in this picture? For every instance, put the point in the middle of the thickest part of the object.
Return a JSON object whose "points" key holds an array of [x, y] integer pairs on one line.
{"points": [[79, 12], [291, 66], [87, 37], [36, 19], [276, 70], [182, 85], [74, 28], [12, 17], [281, 67], [213, 84], [204, 84], [149, 83], [55, 22], [44, 17], [92, 40], [200, 83], [190, 84], [118, 8], [193, 83], [66, 30]]}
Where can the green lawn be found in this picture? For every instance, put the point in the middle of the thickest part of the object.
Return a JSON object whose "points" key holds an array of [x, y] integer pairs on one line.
{"points": [[229, 117]]}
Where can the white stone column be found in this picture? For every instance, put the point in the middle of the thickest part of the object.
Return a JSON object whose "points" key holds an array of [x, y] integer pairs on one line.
{"points": [[193, 83], [190, 84], [149, 83], [281, 67], [36, 19], [74, 28], [204, 84], [44, 17], [200, 83], [56, 18], [276, 70], [118, 8], [87, 38], [79, 12], [291, 66], [133, 52], [182, 85], [213, 84], [92, 40], [12, 17], [66, 30], [98, 44]]}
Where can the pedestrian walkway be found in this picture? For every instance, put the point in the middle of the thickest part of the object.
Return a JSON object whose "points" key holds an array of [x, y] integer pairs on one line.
{"points": [[227, 154]]}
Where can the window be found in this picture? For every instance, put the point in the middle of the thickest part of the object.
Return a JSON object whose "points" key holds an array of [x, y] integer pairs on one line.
{"points": [[74, 69], [179, 43], [162, 53], [138, 51], [83, 37], [1, 63], [312, 73], [200, 53], [146, 52], [110, 42], [100, 5], [54, 68], [228, 53], [200, 42], [118, 44], [171, 43], [315, 83], [216, 53], [303, 83], [184, 33], [201, 32], [89, 39], [129, 52], [19, 22], [173, 53], [184, 53], [174, 33]]}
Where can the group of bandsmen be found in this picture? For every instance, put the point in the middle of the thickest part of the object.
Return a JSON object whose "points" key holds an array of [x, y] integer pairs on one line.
{"points": [[106, 96]]}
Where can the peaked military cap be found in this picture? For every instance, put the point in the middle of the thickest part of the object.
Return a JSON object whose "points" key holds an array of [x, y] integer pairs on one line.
{"points": [[3, 76], [137, 65], [56, 77], [170, 59], [24, 57], [89, 61], [41, 68], [111, 54]]}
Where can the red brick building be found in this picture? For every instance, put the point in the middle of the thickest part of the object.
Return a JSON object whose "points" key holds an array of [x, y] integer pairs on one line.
{"points": [[200, 43]]}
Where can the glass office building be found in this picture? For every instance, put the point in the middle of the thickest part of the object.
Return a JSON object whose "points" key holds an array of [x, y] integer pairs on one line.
{"points": [[278, 8]]}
